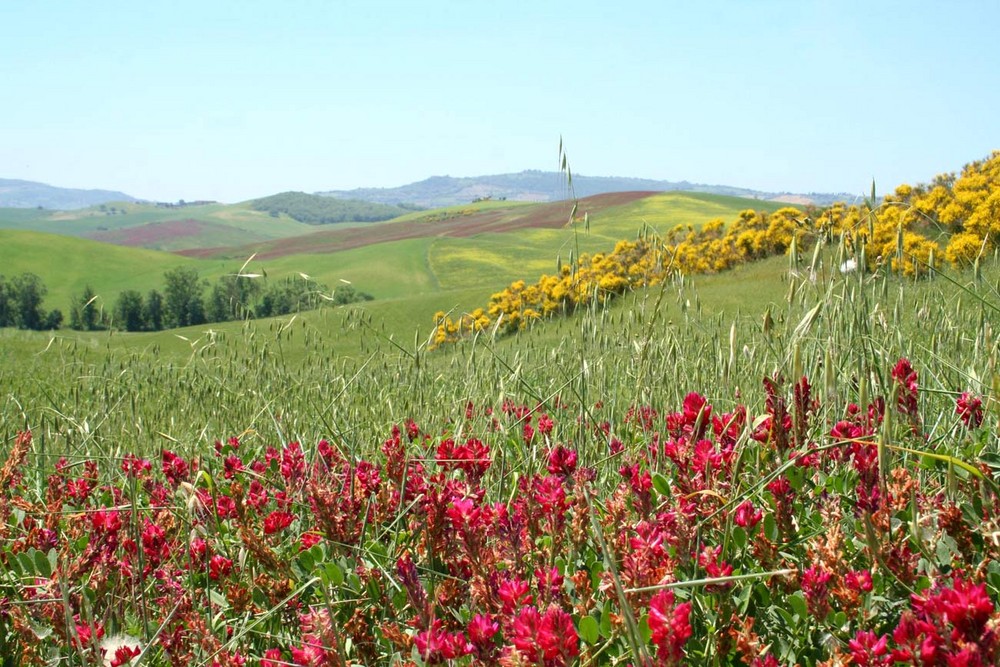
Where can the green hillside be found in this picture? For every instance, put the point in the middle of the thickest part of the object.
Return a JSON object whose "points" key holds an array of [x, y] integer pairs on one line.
{"points": [[503, 258], [412, 277], [317, 210], [65, 264], [158, 227]]}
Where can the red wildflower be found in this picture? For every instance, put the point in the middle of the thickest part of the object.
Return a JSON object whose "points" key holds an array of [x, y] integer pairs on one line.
{"points": [[133, 466], [277, 520], [815, 586], [105, 521], [969, 409], [78, 490], [710, 559], [308, 656], [964, 607], [293, 462], [219, 566], [482, 628], [859, 580], [670, 626], [87, 633], [272, 658], [557, 637], [412, 430], [437, 646], [309, 539], [867, 650], [906, 377], [231, 466], [550, 582], [174, 467], [198, 550], [525, 633], [513, 593], [123, 655], [562, 461], [746, 516], [545, 425], [225, 507], [257, 495], [154, 543]]}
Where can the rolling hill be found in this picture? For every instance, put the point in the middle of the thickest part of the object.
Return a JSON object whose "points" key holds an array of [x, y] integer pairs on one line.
{"points": [[446, 258], [29, 194], [543, 186]]}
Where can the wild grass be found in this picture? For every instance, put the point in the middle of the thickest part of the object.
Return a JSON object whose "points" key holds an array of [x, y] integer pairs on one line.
{"points": [[349, 375]]}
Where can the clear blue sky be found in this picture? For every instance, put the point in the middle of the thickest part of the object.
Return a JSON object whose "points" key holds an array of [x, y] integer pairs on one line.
{"points": [[233, 100]]}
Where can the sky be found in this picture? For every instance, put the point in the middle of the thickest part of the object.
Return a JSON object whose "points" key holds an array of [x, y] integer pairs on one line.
{"points": [[234, 100]]}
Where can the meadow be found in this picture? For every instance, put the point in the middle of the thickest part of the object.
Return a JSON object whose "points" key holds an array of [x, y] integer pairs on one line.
{"points": [[777, 464]]}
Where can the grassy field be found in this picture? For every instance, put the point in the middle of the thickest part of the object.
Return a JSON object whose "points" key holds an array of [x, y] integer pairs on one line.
{"points": [[425, 259], [632, 483], [224, 224]]}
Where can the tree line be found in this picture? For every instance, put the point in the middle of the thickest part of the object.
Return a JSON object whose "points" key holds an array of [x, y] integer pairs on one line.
{"points": [[318, 210], [21, 300], [182, 302]]}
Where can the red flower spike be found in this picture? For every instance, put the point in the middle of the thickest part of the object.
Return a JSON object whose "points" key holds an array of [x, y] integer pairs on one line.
{"points": [[670, 626]]}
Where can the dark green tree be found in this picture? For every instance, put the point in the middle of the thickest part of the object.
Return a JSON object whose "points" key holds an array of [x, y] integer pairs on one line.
{"points": [[232, 298], [153, 311], [129, 311], [53, 319], [27, 292], [85, 313], [6, 304], [183, 304]]}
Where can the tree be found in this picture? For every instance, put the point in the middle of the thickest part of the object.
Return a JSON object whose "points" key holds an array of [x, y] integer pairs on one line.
{"points": [[53, 320], [232, 298], [84, 314], [129, 310], [183, 304], [28, 291], [6, 304], [152, 315]]}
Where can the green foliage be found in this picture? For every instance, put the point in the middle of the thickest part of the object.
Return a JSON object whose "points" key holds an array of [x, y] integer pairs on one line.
{"points": [[183, 303], [317, 210], [129, 311], [85, 312], [21, 304], [231, 298]]}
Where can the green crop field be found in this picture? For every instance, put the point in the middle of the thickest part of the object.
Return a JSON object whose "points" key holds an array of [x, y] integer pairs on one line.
{"points": [[225, 224]]}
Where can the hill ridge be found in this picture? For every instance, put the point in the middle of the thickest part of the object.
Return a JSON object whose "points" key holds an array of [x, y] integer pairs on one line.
{"points": [[17, 193], [543, 186]]}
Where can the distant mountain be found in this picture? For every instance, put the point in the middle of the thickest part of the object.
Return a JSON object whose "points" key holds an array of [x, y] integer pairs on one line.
{"points": [[544, 186], [29, 194]]}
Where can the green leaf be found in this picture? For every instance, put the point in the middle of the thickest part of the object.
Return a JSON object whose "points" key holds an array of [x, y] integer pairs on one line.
{"points": [[332, 575], [53, 557], [644, 630], [589, 630], [798, 603], [218, 598], [27, 563], [739, 537], [42, 566], [606, 620], [661, 484], [770, 527]]}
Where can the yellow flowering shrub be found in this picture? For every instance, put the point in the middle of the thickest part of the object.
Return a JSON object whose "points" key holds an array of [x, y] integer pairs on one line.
{"points": [[899, 232]]}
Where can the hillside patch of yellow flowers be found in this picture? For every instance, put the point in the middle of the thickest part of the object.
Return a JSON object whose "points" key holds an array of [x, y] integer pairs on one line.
{"points": [[905, 232]]}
